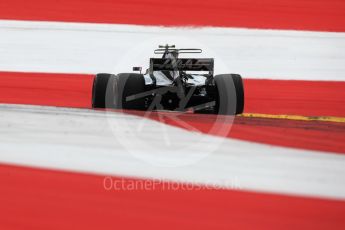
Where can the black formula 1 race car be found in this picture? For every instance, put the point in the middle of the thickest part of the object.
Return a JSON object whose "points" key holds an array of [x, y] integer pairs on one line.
{"points": [[171, 83]]}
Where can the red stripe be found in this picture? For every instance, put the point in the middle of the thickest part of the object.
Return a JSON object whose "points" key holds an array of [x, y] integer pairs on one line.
{"points": [[312, 135], [317, 15], [262, 96], [309, 98], [46, 89], [42, 199]]}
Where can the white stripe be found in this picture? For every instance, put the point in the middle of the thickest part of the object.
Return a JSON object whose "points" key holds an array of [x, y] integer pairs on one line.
{"points": [[92, 48], [81, 140]]}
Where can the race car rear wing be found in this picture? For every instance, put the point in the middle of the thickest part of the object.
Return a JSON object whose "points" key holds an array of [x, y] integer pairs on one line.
{"points": [[180, 51], [182, 64]]}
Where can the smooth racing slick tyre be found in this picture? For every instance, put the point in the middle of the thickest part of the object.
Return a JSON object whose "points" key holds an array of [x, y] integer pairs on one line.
{"points": [[120, 91], [99, 90], [230, 94]]}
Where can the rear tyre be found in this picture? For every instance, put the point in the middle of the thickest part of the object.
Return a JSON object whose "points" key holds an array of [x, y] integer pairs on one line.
{"points": [[123, 92], [230, 94], [238, 82], [99, 90]]}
